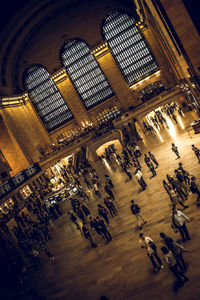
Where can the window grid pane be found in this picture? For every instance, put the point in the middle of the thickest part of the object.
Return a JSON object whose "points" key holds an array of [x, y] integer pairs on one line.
{"points": [[128, 47], [85, 73], [46, 98]]}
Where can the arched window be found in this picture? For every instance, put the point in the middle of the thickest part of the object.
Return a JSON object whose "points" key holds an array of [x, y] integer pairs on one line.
{"points": [[128, 47], [85, 73], [46, 98]]}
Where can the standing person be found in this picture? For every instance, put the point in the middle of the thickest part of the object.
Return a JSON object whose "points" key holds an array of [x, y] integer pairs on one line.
{"points": [[85, 209], [108, 190], [175, 248], [151, 250], [139, 177], [96, 190], [177, 222], [194, 189], [175, 150], [73, 219], [173, 266], [80, 214], [152, 157], [137, 151], [94, 225], [87, 183], [56, 206], [103, 212], [167, 187], [88, 236], [151, 168], [104, 229], [108, 179], [175, 198], [135, 209], [146, 159], [196, 152], [109, 204]]}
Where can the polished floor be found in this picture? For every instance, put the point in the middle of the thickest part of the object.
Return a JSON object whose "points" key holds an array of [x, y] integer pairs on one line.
{"points": [[120, 269]]}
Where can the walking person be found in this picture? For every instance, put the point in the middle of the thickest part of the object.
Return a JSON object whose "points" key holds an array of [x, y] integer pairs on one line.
{"points": [[96, 190], [104, 229], [173, 266], [151, 168], [135, 209], [139, 177], [175, 248], [109, 204], [94, 225], [73, 219], [103, 212], [177, 223], [196, 152], [194, 189], [175, 198], [108, 190], [85, 209], [88, 236], [152, 157], [175, 150], [151, 250], [109, 181], [87, 183], [167, 187]]}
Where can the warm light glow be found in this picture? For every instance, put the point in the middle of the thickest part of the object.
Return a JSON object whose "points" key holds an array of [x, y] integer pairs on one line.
{"points": [[172, 129], [180, 122]]}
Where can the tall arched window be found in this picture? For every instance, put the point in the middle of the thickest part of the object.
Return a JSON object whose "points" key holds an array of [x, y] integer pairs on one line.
{"points": [[85, 73], [128, 47], [46, 98]]}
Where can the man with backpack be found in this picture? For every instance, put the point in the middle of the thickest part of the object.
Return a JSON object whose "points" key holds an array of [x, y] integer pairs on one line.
{"points": [[135, 209]]}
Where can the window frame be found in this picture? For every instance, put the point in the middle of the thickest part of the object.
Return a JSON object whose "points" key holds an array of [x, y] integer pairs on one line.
{"points": [[49, 125], [76, 80]]}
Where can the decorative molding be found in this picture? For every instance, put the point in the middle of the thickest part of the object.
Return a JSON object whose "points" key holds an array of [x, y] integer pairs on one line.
{"points": [[100, 50], [59, 75], [14, 100]]}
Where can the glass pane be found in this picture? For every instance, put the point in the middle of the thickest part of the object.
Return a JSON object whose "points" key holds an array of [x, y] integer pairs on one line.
{"points": [[46, 98], [128, 47], [85, 73]]}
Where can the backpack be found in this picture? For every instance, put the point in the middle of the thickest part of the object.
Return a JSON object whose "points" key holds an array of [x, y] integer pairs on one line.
{"points": [[135, 209], [193, 187]]}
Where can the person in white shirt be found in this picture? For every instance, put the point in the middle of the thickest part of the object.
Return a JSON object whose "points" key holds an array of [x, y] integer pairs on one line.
{"points": [[173, 266], [178, 218], [138, 176], [151, 250]]}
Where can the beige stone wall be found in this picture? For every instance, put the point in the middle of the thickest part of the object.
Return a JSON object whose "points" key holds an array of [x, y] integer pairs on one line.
{"points": [[184, 28], [27, 129], [11, 150], [118, 83]]}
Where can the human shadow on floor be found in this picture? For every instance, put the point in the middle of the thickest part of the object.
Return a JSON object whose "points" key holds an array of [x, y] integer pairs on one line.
{"points": [[177, 285]]}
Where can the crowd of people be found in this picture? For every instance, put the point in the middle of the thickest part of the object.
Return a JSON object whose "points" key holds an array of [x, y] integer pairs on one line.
{"points": [[158, 120], [26, 243]]}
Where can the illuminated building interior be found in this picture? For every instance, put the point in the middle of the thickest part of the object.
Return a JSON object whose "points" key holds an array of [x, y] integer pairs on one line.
{"points": [[82, 84]]}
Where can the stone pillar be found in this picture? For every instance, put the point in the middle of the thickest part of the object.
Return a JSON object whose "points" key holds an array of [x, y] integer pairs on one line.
{"points": [[167, 73], [116, 80]]}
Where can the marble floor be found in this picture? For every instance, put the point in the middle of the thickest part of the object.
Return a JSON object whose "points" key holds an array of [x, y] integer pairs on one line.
{"points": [[120, 269]]}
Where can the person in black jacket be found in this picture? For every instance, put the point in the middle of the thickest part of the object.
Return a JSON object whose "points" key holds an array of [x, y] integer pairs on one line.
{"points": [[73, 219], [108, 190], [103, 212], [88, 236], [194, 189], [104, 229], [135, 209]]}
